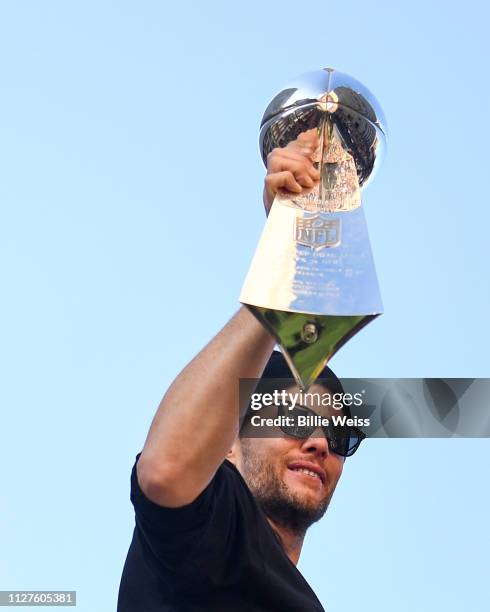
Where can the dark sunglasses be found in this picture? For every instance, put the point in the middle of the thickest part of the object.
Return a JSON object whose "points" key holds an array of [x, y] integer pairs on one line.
{"points": [[342, 440]]}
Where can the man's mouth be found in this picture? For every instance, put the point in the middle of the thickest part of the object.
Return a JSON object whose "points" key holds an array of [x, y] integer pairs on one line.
{"points": [[310, 469]]}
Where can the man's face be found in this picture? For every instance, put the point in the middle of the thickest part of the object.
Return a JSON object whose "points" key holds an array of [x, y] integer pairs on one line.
{"points": [[292, 479]]}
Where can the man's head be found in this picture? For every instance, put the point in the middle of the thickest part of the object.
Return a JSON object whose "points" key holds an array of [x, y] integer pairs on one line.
{"points": [[292, 479]]}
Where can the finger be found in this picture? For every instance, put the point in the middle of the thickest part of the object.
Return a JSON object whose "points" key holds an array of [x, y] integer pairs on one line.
{"points": [[295, 153], [308, 143], [299, 157], [303, 169], [282, 180], [278, 155], [297, 149], [309, 138], [292, 151]]}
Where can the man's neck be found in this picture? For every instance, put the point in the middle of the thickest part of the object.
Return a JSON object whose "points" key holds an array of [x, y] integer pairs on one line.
{"points": [[291, 542]]}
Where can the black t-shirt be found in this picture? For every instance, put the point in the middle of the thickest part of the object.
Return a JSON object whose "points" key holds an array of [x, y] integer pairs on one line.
{"points": [[217, 554]]}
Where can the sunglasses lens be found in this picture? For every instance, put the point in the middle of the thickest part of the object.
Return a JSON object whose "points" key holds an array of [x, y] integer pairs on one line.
{"points": [[293, 427], [345, 441]]}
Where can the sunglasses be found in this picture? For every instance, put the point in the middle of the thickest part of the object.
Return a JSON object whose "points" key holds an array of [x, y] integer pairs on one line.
{"points": [[343, 440]]}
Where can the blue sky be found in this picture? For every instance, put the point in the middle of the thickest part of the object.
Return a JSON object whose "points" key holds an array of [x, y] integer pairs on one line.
{"points": [[130, 209]]}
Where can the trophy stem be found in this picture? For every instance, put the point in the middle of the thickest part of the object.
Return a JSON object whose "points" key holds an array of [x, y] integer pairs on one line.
{"points": [[321, 158], [309, 341]]}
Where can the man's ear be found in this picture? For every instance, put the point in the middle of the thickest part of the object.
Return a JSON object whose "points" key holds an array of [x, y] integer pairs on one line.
{"points": [[234, 453]]}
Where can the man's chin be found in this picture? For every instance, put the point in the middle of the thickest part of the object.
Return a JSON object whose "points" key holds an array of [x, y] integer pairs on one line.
{"points": [[304, 487]]}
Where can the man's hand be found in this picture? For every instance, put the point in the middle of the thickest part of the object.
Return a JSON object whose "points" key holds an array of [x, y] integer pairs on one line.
{"points": [[291, 168]]}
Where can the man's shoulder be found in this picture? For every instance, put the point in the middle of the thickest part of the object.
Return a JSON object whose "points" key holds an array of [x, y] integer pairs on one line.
{"points": [[226, 483]]}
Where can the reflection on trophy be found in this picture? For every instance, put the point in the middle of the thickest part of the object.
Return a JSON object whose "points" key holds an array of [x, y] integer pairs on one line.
{"points": [[312, 282]]}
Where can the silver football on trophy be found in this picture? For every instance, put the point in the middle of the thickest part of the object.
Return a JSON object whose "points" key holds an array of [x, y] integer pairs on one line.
{"points": [[334, 100]]}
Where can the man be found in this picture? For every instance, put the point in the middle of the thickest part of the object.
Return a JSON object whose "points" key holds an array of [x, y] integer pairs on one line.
{"points": [[221, 518]]}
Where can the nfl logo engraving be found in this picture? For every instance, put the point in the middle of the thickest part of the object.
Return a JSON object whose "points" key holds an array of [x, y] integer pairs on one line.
{"points": [[316, 232]]}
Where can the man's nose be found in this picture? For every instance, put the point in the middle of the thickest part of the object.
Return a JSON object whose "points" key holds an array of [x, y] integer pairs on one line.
{"points": [[316, 444]]}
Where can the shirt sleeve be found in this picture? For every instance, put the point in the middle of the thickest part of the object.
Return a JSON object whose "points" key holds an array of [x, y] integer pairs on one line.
{"points": [[170, 534], [205, 539]]}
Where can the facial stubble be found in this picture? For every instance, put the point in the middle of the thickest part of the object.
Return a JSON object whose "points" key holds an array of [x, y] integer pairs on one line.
{"points": [[282, 505]]}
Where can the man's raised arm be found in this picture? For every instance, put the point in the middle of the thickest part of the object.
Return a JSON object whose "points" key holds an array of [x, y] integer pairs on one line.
{"points": [[198, 418]]}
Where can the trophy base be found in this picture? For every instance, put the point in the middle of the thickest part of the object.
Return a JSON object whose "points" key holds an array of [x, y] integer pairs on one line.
{"points": [[309, 341]]}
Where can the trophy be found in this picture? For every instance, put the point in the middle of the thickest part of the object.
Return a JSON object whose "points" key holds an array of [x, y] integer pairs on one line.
{"points": [[312, 281]]}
